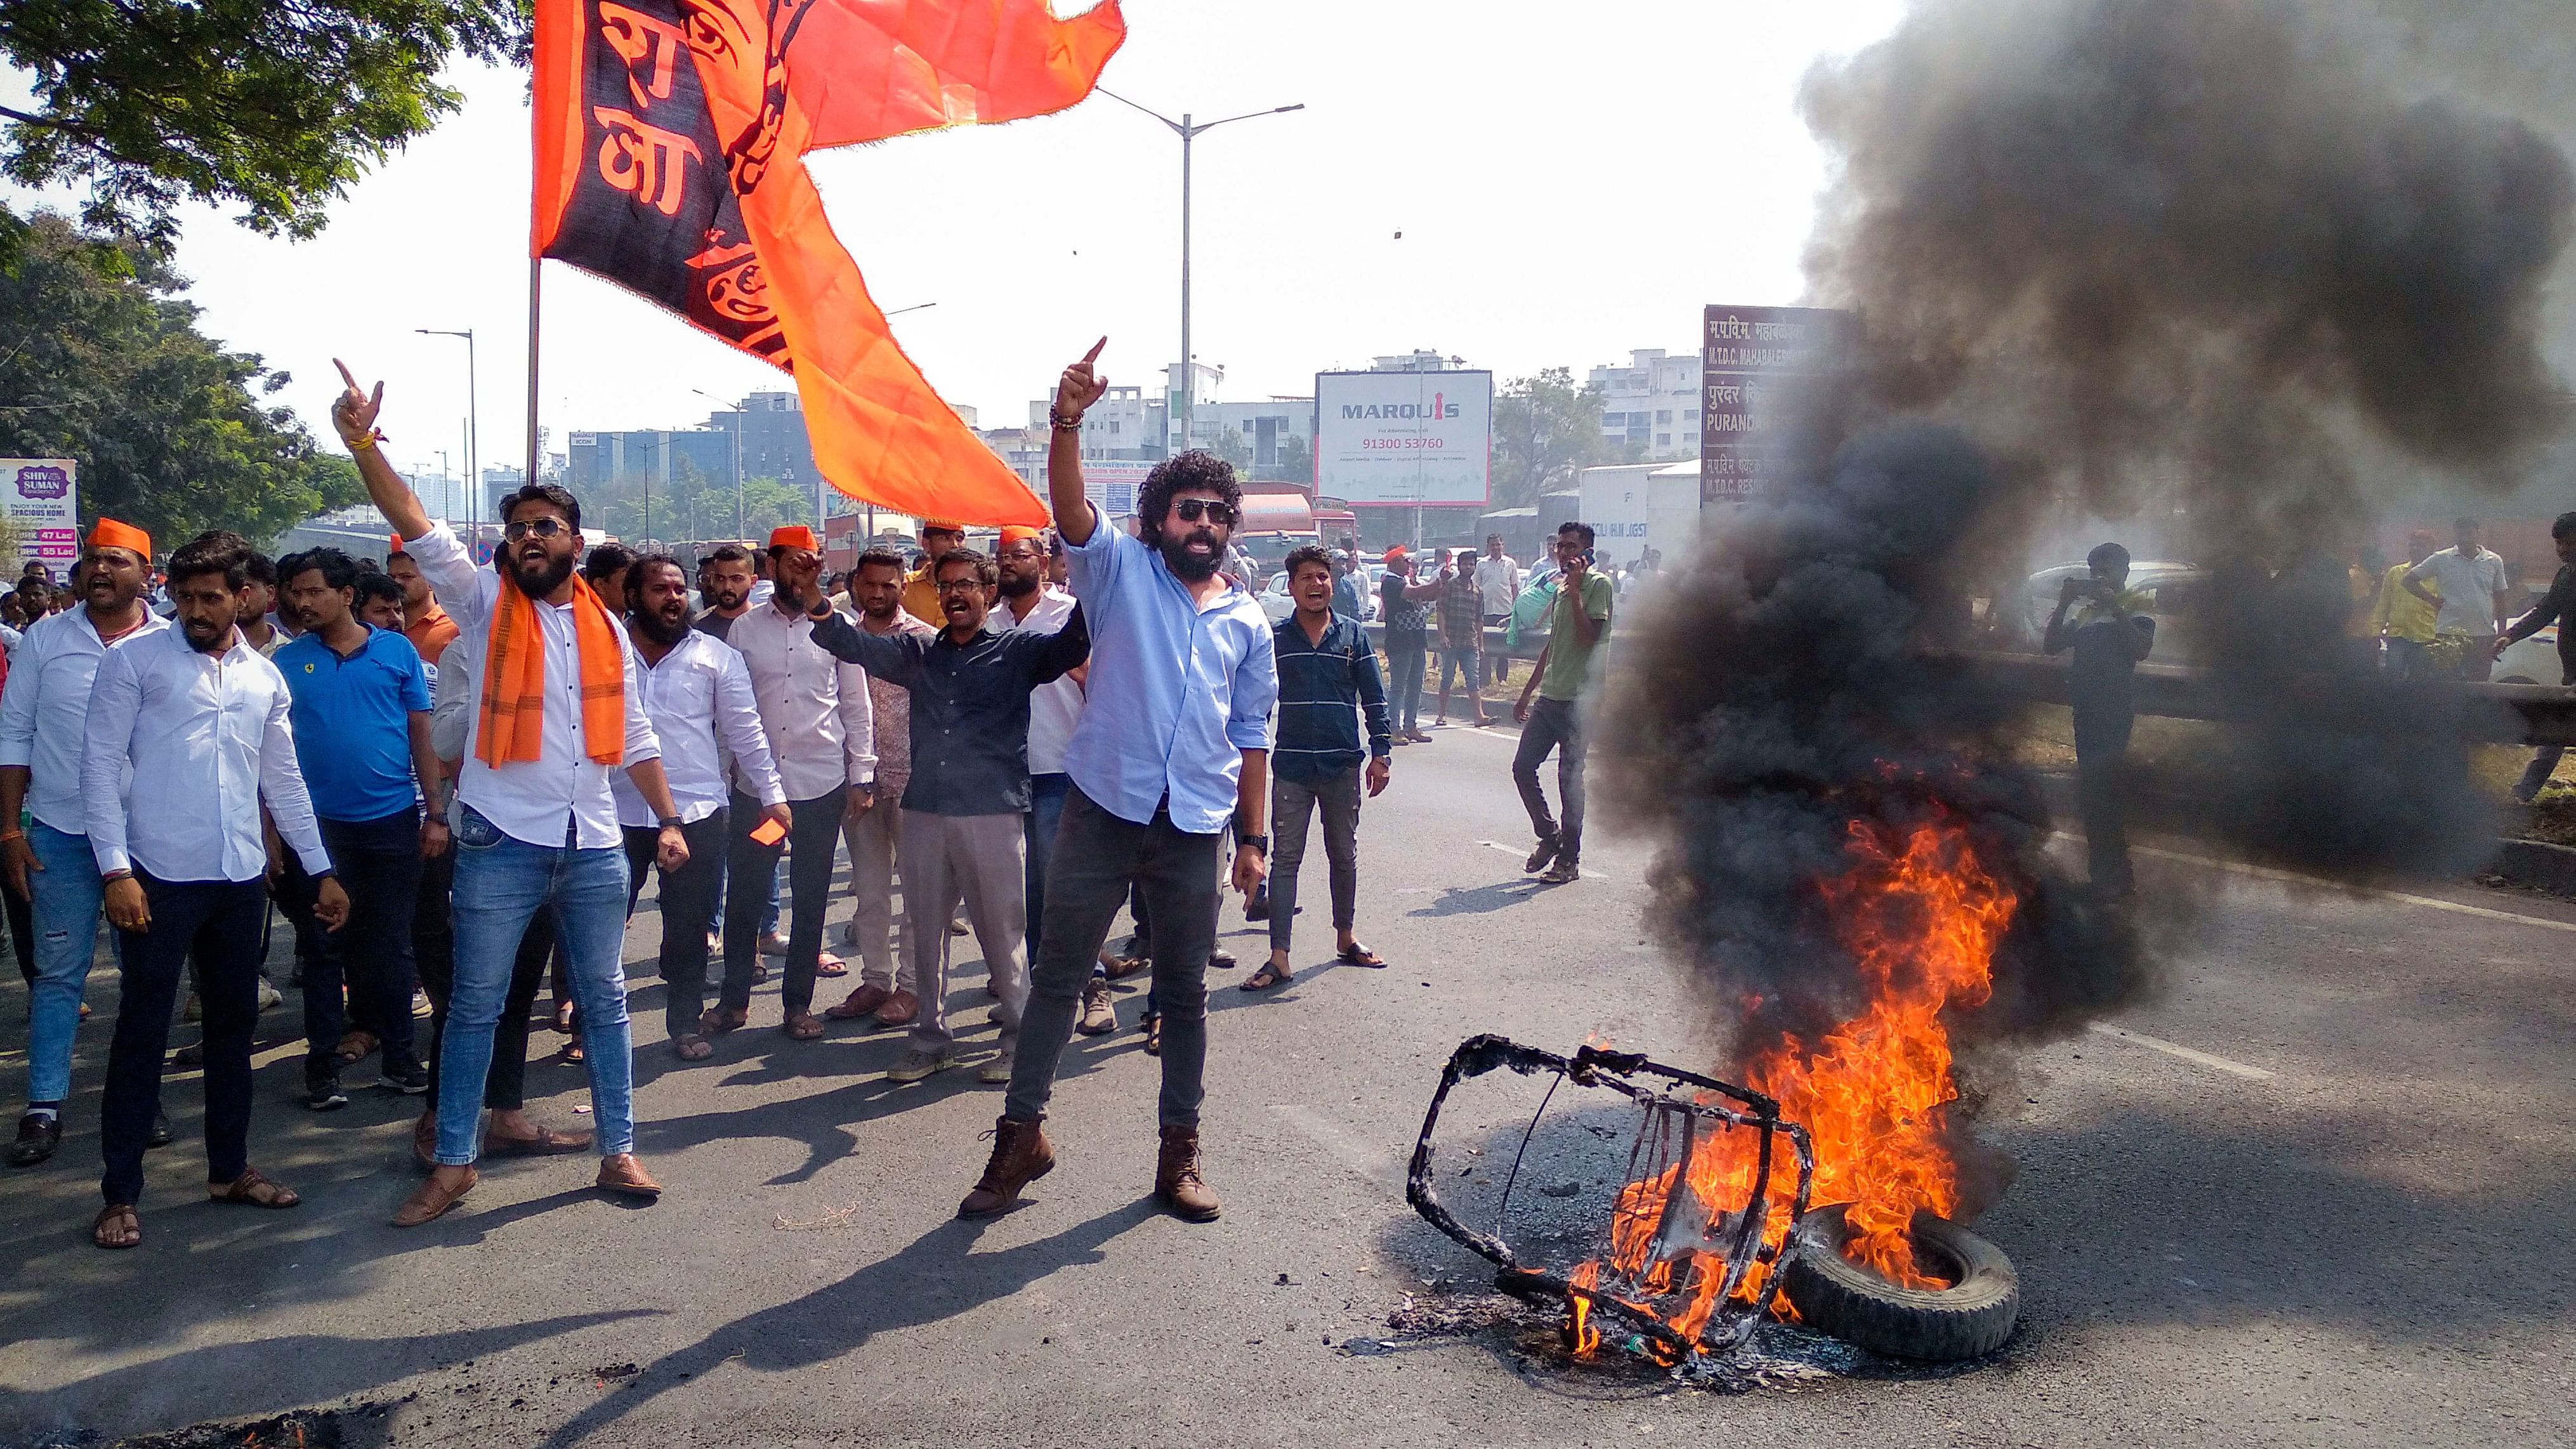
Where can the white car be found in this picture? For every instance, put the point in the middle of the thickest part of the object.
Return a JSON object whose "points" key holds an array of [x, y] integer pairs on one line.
{"points": [[1275, 600], [2168, 585], [2530, 661]]}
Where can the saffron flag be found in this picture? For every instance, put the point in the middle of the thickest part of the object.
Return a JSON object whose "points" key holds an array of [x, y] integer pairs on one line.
{"points": [[670, 143]]}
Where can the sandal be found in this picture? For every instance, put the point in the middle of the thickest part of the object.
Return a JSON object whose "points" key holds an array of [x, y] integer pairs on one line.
{"points": [[1268, 976], [804, 1026], [253, 1190], [572, 1054], [356, 1047], [830, 965], [688, 1046], [1356, 954], [722, 1019], [116, 1226], [563, 1016], [1152, 1026]]}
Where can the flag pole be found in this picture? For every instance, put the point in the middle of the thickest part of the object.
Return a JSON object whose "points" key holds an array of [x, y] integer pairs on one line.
{"points": [[536, 276]]}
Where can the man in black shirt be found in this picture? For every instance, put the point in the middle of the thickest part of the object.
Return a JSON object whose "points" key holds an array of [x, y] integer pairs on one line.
{"points": [[2558, 607], [2109, 633], [963, 832]]}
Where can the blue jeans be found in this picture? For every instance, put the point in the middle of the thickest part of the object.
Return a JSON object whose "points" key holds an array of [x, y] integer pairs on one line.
{"points": [[501, 884], [1046, 811], [67, 893], [1405, 654]]}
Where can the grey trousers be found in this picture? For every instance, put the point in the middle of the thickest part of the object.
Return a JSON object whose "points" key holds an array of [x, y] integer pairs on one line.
{"points": [[1097, 858], [1554, 724], [1291, 803], [885, 957], [979, 858]]}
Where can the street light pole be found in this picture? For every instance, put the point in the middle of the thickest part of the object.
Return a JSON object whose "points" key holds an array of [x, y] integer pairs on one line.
{"points": [[1189, 132], [740, 416], [473, 429]]}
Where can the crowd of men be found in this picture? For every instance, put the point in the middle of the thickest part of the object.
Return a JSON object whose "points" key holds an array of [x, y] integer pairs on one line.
{"points": [[455, 779]]}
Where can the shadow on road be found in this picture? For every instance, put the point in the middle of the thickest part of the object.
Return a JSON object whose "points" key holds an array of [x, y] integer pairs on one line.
{"points": [[936, 1276], [232, 1380]]}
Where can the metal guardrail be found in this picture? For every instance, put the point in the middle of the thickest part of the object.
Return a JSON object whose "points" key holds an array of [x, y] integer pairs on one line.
{"points": [[2500, 714]]}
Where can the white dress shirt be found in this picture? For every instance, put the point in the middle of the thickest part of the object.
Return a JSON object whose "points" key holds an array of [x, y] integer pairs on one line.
{"points": [[182, 746], [45, 709], [699, 699], [813, 708], [1055, 707], [1498, 582], [563, 791]]}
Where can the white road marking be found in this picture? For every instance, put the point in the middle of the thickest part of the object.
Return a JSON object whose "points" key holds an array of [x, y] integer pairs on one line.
{"points": [[2171, 1049], [2291, 877], [1370, 1165]]}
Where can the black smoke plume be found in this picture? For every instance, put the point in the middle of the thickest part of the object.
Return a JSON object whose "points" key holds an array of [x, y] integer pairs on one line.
{"points": [[2210, 269]]}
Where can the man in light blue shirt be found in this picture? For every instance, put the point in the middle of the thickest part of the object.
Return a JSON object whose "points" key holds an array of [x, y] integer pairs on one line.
{"points": [[1173, 746]]}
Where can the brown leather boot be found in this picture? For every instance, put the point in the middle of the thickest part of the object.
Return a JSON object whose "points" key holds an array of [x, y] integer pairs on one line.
{"points": [[1177, 1181], [1021, 1156]]}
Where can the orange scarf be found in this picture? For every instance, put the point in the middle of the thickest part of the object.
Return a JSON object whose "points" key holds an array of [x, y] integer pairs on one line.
{"points": [[514, 680]]}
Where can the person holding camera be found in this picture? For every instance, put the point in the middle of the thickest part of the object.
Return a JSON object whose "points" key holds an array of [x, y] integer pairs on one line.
{"points": [[1578, 620], [2107, 626]]}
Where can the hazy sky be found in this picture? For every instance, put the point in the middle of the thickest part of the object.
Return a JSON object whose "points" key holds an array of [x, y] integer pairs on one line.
{"points": [[1571, 182]]}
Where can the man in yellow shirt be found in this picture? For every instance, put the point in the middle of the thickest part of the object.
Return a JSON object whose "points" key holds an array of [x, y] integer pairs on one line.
{"points": [[920, 594], [2402, 618]]}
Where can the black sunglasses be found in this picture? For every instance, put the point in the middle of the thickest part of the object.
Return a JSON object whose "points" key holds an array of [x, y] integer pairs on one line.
{"points": [[541, 527], [1192, 510]]}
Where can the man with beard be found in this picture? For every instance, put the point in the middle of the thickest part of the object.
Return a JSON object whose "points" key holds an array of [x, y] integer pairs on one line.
{"points": [[557, 712], [698, 695], [888, 989], [727, 584], [178, 724], [921, 590], [964, 810], [361, 713], [1173, 745], [44, 716], [814, 709], [425, 624], [379, 602]]}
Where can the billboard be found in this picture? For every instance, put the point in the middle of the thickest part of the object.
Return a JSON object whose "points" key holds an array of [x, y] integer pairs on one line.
{"points": [[41, 499], [1404, 437], [1747, 356], [1111, 486]]}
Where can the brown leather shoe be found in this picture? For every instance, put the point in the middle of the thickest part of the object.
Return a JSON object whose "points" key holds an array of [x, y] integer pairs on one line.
{"points": [[858, 1003], [1176, 1178], [899, 1009], [626, 1177], [1021, 1155], [431, 1200]]}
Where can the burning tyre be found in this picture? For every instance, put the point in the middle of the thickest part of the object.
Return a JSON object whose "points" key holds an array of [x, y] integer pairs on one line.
{"points": [[1968, 1312]]}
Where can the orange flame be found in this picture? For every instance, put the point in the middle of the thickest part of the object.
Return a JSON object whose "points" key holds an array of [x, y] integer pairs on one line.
{"points": [[1922, 919]]}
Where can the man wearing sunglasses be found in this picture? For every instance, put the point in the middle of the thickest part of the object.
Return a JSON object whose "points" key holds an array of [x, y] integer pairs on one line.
{"points": [[1173, 745], [558, 710]]}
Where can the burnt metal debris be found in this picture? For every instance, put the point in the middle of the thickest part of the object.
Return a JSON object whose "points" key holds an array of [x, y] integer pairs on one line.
{"points": [[1681, 1111]]}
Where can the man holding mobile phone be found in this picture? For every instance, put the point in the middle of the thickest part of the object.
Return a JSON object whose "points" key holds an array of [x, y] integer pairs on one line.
{"points": [[2110, 632], [1578, 620]]}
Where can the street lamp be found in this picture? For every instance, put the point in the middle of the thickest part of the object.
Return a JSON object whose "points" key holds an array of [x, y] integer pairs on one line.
{"points": [[739, 418], [1188, 132], [473, 429]]}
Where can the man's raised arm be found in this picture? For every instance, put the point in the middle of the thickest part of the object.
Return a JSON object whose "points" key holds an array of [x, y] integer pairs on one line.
{"points": [[353, 414], [1075, 392]]}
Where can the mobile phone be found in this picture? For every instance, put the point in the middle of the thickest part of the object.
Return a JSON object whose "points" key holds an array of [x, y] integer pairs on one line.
{"points": [[770, 832]]}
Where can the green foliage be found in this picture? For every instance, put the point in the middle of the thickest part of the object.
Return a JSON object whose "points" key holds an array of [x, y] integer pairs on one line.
{"points": [[1231, 447], [1296, 462], [274, 106], [168, 429], [1546, 430], [690, 508]]}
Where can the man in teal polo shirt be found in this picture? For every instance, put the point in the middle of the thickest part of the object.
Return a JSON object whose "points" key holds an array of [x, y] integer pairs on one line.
{"points": [[361, 717]]}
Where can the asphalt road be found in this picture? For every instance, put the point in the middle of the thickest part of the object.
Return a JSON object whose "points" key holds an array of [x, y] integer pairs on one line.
{"points": [[2318, 1193]]}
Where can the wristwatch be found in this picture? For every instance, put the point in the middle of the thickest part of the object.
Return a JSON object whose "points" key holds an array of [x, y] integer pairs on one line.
{"points": [[673, 822], [1257, 842]]}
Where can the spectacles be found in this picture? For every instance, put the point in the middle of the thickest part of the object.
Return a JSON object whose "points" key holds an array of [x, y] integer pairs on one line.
{"points": [[969, 582], [1192, 510], [541, 527]]}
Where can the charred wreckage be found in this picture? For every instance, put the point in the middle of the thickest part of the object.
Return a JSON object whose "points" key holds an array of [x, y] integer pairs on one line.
{"points": [[1688, 1276]]}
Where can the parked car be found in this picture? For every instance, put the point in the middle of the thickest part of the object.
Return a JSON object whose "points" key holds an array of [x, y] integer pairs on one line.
{"points": [[2530, 661], [1275, 600], [2170, 587]]}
